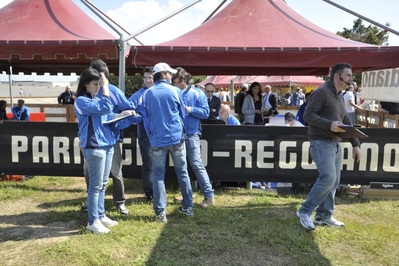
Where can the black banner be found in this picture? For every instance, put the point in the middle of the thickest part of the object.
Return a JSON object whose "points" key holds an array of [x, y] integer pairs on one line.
{"points": [[230, 153]]}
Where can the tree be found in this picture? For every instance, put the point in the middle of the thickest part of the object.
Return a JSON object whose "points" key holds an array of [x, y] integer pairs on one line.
{"points": [[360, 33], [371, 34], [198, 79], [132, 83]]}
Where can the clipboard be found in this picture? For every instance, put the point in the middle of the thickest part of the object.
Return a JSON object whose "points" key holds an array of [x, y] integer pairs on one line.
{"points": [[116, 119], [351, 132]]}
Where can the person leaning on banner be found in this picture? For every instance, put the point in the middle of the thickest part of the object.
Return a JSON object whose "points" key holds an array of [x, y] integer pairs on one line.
{"points": [[20, 111], [325, 113], [269, 102], [290, 121], [3, 111], [224, 114]]}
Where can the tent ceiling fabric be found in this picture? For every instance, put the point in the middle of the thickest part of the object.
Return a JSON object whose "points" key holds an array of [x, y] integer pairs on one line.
{"points": [[294, 80], [263, 37], [218, 81], [51, 36]]}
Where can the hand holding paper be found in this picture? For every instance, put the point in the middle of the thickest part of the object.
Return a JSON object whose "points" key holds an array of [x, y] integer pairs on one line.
{"points": [[336, 126], [349, 132], [125, 113], [121, 115]]}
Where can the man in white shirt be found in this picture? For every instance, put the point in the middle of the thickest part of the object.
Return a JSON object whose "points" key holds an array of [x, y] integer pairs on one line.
{"points": [[350, 106]]}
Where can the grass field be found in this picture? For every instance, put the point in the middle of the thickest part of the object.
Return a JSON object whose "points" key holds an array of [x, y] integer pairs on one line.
{"points": [[41, 224]]}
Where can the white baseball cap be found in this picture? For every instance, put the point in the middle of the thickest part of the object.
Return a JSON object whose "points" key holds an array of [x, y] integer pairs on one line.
{"points": [[160, 67]]}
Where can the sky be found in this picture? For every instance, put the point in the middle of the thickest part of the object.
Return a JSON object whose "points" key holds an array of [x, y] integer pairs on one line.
{"points": [[135, 15]]}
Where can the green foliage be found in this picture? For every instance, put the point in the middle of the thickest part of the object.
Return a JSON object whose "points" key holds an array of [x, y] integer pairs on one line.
{"points": [[361, 33], [197, 79], [371, 34], [132, 83]]}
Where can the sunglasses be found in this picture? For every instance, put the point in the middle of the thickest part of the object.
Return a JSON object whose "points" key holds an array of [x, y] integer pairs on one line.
{"points": [[210, 91]]}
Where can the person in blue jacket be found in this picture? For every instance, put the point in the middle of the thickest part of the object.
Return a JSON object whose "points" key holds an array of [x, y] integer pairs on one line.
{"points": [[147, 173], [120, 103], [226, 116], [302, 108], [92, 109], [20, 111], [163, 116], [196, 106]]}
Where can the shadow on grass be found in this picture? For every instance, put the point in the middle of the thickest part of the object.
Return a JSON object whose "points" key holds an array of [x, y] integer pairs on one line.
{"points": [[256, 233], [258, 229], [39, 225]]}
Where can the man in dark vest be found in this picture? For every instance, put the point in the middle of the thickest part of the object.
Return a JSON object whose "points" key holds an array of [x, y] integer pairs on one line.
{"points": [[213, 101], [270, 102], [239, 100]]}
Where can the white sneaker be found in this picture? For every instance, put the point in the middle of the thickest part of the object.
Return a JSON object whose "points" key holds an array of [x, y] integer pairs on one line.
{"points": [[306, 220], [329, 222], [98, 228], [108, 222]]}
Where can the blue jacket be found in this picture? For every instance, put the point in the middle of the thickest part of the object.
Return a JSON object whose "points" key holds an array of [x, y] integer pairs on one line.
{"points": [[120, 103], [20, 113], [91, 114], [163, 114], [231, 120], [300, 113], [137, 101], [197, 101]]}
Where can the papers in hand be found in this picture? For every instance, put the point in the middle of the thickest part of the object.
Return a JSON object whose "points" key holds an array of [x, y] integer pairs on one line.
{"points": [[350, 132], [116, 119]]}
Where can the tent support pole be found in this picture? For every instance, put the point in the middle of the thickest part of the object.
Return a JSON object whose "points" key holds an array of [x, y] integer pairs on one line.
{"points": [[363, 17], [214, 11], [9, 85], [122, 65], [121, 43], [231, 92], [161, 20]]}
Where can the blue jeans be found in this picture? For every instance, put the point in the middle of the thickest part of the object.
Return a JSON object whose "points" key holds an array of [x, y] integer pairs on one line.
{"points": [[98, 162], [159, 156], [147, 173], [118, 190], [194, 157], [328, 158], [352, 117]]}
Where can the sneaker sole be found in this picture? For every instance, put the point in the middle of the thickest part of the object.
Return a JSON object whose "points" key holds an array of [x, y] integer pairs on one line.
{"points": [[186, 214], [98, 233], [164, 221], [109, 225], [307, 228], [322, 223], [161, 221]]}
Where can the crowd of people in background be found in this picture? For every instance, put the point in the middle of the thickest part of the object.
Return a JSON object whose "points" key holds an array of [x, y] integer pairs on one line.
{"points": [[169, 110]]}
